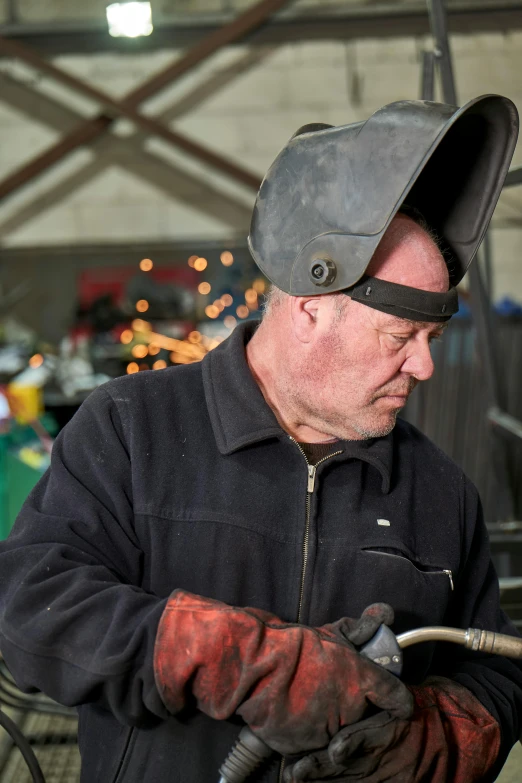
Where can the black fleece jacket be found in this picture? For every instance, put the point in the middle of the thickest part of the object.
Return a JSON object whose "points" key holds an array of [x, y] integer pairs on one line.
{"points": [[182, 478]]}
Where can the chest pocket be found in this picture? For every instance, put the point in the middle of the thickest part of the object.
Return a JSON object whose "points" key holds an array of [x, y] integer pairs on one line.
{"points": [[419, 593]]}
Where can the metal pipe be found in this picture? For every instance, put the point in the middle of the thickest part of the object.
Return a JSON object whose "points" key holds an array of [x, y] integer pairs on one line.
{"points": [[506, 424], [428, 76], [472, 639], [439, 29]]}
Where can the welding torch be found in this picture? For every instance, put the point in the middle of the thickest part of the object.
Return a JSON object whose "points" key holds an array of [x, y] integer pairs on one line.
{"points": [[384, 649]]}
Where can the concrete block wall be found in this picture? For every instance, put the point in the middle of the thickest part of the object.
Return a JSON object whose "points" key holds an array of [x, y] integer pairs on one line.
{"points": [[97, 196]]}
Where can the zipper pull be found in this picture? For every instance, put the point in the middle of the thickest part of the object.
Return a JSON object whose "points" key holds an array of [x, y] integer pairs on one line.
{"points": [[450, 575], [311, 478]]}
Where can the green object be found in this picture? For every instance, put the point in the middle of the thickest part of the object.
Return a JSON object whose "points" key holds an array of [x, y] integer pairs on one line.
{"points": [[4, 525], [16, 478], [21, 478]]}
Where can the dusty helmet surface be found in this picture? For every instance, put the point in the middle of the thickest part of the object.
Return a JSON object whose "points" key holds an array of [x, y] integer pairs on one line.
{"points": [[329, 196]]}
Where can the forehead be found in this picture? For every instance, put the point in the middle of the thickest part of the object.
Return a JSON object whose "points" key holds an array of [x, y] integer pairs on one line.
{"points": [[409, 256], [386, 321]]}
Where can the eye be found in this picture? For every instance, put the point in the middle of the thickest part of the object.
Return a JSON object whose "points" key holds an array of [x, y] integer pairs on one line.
{"points": [[400, 338], [433, 337]]}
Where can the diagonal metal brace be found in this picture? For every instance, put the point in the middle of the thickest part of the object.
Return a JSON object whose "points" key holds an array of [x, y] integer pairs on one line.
{"points": [[91, 129]]}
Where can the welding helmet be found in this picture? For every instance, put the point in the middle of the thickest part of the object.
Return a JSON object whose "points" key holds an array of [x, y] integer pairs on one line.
{"points": [[332, 192]]}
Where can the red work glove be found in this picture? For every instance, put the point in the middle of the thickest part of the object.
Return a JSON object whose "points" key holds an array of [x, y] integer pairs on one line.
{"points": [[294, 686], [451, 737]]}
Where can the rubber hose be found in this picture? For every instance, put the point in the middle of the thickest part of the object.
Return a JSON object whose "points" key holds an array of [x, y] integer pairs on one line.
{"points": [[23, 746]]}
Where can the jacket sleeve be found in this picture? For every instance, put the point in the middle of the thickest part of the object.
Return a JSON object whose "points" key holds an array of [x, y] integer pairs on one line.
{"points": [[74, 622], [495, 681]]}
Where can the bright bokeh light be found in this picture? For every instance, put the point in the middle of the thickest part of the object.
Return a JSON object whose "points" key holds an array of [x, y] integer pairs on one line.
{"points": [[126, 336], [132, 367], [176, 357], [204, 288], [159, 365], [142, 306], [259, 285], [219, 304], [200, 264], [139, 325], [154, 349], [227, 300], [194, 337], [227, 259], [129, 19], [36, 360], [146, 264], [242, 311], [251, 296], [192, 260], [229, 321], [211, 311], [140, 351]]}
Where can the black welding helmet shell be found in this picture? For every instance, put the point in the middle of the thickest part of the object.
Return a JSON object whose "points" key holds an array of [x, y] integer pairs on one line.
{"points": [[329, 196]]}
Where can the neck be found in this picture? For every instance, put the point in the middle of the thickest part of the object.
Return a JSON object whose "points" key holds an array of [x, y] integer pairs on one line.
{"points": [[269, 362]]}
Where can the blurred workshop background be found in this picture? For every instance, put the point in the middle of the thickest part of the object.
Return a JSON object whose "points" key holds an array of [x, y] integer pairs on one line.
{"points": [[133, 137]]}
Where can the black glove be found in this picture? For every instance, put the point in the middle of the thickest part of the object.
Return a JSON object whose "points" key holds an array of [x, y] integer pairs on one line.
{"points": [[353, 754], [364, 628], [294, 686], [450, 737]]}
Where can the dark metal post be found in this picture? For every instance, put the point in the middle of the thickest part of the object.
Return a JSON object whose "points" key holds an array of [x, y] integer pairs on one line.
{"points": [[483, 315], [487, 257], [428, 76], [439, 30], [12, 12]]}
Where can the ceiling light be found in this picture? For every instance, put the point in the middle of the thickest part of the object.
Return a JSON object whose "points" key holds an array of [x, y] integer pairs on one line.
{"points": [[129, 19]]}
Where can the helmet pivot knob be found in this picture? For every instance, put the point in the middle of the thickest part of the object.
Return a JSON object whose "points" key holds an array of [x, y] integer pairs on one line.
{"points": [[322, 271]]}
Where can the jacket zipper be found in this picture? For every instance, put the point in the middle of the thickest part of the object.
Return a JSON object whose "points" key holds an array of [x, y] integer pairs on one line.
{"points": [[312, 470]]}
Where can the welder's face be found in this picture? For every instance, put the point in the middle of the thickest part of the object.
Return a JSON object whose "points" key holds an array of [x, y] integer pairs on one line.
{"points": [[366, 362]]}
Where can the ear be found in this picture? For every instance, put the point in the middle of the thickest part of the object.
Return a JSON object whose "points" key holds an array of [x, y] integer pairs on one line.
{"points": [[304, 311]]}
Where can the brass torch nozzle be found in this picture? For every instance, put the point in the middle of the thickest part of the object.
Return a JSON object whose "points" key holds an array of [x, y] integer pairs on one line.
{"points": [[472, 639]]}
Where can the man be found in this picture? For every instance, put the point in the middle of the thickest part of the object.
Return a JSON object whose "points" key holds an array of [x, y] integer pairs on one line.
{"points": [[183, 567]]}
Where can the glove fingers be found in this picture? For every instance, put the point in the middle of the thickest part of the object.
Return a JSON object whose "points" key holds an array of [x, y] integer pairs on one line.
{"points": [[360, 631], [362, 738], [369, 623], [315, 766], [392, 695], [353, 754], [310, 768]]}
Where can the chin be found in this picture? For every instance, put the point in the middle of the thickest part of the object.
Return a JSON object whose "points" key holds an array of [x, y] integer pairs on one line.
{"points": [[377, 429]]}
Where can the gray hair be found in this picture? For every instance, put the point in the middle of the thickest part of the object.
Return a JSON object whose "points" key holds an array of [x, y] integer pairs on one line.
{"points": [[274, 297]]}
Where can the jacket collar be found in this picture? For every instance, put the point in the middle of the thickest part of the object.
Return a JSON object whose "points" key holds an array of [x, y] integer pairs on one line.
{"points": [[241, 417]]}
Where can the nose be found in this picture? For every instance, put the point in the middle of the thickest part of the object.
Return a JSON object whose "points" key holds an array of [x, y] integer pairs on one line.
{"points": [[419, 363]]}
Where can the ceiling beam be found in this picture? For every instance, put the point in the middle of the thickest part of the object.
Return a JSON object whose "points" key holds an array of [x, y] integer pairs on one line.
{"points": [[84, 133], [89, 130], [118, 253], [127, 152], [342, 22]]}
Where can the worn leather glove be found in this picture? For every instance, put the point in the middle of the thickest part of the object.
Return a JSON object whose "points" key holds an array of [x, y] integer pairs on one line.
{"points": [[295, 686], [451, 737]]}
